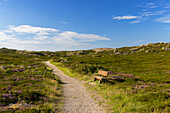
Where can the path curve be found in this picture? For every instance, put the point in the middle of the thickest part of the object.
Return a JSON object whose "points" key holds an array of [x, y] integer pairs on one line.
{"points": [[77, 98]]}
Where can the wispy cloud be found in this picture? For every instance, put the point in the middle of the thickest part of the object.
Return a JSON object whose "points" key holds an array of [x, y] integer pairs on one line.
{"points": [[125, 17], [69, 35], [31, 29], [148, 10], [165, 19], [4, 36], [136, 21], [63, 22], [139, 41], [30, 35], [148, 5], [147, 13]]}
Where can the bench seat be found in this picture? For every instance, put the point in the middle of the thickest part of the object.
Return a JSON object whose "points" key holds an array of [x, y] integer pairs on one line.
{"points": [[99, 78]]}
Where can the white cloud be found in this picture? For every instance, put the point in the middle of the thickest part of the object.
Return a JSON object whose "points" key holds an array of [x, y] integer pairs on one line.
{"points": [[4, 36], [148, 5], [147, 14], [148, 9], [63, 22], [26, 35], [19, 46], [136, 21], [69, 35], [139, 41], [31, 29], [152, 13], [16, 41], [165, 19], [125, 17]]}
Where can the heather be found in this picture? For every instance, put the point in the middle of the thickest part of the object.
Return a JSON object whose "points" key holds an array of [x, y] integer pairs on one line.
{"points": [[144, 71], [142, 78], [26, 84]]}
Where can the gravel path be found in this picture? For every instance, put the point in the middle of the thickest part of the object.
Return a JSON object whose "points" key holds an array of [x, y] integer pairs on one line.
{"points": [[77, 98]]}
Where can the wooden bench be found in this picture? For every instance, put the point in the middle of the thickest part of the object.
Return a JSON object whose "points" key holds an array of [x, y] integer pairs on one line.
{"points": [[103, 75]]}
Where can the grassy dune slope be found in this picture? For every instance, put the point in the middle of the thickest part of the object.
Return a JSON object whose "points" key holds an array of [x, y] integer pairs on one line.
{"points": [[145, 70]]}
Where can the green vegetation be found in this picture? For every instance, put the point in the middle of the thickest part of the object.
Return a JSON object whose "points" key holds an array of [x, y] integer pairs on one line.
{"points": [[145, 70], [26, 84]]}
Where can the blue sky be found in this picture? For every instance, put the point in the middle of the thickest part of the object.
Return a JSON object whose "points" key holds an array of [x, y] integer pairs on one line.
{"points": [[82, 24]]}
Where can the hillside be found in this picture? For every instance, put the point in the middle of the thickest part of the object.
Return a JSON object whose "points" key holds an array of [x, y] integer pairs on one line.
{"points": [[102, 49], [26, 84], [145, 71]]}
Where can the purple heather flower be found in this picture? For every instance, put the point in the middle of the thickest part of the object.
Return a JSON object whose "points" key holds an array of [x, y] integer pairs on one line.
{"points": [[38, 75], [6, 95], [16, 79]]}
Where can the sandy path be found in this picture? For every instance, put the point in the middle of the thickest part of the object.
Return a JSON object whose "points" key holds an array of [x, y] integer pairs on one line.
{"points": [[77, 98]]}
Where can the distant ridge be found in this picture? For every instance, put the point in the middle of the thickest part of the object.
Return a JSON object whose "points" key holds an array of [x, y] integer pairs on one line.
{"points": [[150, 47], [102, 49]]}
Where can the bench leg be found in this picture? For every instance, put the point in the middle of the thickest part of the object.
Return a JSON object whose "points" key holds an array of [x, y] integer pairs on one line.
{"points": [[100, 81], [94, 79]]}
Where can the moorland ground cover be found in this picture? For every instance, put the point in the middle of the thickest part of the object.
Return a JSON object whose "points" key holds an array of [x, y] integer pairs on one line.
{"points": [[145, 71], [26, 84]]}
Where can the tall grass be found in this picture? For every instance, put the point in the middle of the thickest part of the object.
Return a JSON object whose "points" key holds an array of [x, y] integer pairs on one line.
{"points": [[146, 76]]}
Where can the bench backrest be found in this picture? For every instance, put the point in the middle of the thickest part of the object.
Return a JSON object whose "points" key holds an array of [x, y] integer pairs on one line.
{"points": [[104, 73]]}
